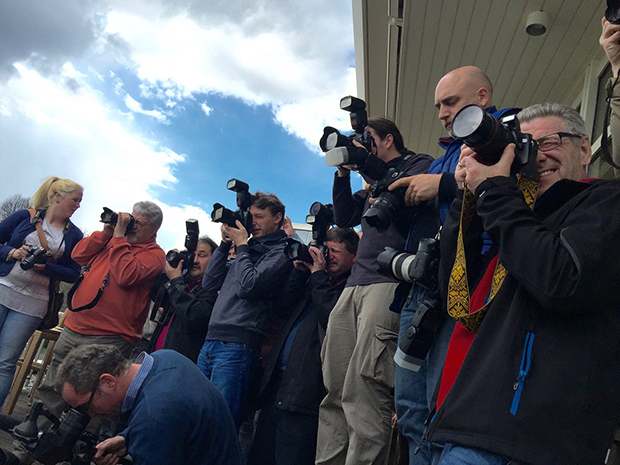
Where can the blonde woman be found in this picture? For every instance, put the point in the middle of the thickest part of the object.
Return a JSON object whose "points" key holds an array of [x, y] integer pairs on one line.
{"points": [[24, 294]]}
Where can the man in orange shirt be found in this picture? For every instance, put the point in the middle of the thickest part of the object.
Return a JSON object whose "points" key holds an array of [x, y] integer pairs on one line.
{"points": [[126, 261]]}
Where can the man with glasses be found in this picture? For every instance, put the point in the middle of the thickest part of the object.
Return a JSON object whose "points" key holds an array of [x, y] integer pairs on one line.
{"points": [[533, 369], [168, 423], [124, 262]]}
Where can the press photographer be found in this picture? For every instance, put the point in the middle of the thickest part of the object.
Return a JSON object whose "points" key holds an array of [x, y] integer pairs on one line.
{"points": [[175, 415], [248, 283], [432, 194], [361, 329], [109, 302], [292, 385], [183, 318], [544, 299]]}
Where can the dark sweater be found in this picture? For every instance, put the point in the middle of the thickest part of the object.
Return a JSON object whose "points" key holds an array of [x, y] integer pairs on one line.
{"points": [[179, 417]]}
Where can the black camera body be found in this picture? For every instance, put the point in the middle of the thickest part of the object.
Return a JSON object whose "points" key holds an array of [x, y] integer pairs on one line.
{"points": [[321, 218], [64, 442], [332, 138], [36, 255], [221, 214], [387, 203], [488, 136], [612, 13], [421, 269], [111, 217], [174, 257]]}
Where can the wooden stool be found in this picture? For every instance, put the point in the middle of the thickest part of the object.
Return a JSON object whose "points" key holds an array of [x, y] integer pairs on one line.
{"points": [[28, 363]]}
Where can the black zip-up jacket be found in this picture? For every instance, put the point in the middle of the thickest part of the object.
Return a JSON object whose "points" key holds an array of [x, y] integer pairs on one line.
{"points": [[302, 388], [190, 320], [541, 380]]}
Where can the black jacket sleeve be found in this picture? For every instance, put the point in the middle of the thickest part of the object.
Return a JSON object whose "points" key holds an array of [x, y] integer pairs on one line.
{"points": [[564, 262], [324, 296], [348, 207], [193, 307]]}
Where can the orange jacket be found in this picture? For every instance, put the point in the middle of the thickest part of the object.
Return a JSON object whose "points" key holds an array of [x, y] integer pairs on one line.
{"points": [[122, 308]]}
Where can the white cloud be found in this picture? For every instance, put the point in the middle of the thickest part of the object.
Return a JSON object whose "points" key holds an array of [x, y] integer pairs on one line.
{"points": [[136, 107], [55, 130], [297, 66], [206, 108], [292, 56]]}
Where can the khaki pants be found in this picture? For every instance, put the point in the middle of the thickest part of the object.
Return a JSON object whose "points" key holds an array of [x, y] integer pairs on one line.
{"points": [[68, 340], [358, 370]]}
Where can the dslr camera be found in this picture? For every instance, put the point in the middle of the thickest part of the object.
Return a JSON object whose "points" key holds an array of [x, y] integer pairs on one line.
{"points": [[174, 257], [321, 218], [36, 255], [66, 441], [339, 150], [111, 217], [488, 136], [612, 13], [221, 214], [421, 269]]}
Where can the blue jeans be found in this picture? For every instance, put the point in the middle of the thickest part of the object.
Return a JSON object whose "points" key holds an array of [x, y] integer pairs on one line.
{"points": [[458, 455], [413, 391], [15, 330], [228, 365]]}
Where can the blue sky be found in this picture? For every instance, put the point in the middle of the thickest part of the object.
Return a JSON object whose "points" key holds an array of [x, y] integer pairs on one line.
{"points": [[166, 101]]}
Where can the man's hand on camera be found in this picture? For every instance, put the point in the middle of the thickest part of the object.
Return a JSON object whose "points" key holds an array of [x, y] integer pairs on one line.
{"points": [[420, 187], [475, 172], [239, 235], [318, 261], [172, 272], [110, 450], [610, 41], [121, 224]]}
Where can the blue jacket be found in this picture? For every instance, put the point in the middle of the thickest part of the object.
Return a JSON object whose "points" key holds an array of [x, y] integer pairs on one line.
{"points": [[258, 271], [13, 231]]}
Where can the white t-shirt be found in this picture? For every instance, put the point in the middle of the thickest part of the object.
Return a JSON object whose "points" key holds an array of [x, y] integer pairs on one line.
{"points": [[27, 292]]}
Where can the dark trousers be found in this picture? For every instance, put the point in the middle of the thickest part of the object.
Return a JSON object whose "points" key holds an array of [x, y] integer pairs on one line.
{"points": [[283, 437]]}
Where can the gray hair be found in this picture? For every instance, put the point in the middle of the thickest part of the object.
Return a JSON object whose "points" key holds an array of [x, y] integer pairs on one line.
{"points": [[573, 122], [151, 211], [85, 364]]}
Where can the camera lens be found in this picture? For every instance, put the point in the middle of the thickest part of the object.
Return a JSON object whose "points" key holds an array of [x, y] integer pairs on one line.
{"points": [[482, 133]]}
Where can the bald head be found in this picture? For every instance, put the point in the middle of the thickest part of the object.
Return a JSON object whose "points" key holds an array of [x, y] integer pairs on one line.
{"points": [[460, 87]]}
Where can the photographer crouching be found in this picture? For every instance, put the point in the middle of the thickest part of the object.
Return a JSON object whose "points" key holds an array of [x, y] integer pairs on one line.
{"points": [[532, 373]]}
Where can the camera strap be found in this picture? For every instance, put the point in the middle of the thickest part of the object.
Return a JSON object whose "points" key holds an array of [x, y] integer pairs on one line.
{"points": [[459, 297], [75, 286], [35, 219]]}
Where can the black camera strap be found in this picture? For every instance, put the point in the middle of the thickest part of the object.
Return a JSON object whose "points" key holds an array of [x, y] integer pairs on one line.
{"points": [[75, 286]]}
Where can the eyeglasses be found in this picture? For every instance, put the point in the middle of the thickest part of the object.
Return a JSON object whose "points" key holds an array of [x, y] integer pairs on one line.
{"points": [[552, 141], [85, 407]]}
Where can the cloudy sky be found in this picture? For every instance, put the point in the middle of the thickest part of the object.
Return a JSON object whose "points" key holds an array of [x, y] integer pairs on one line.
{"points": [[168, 100]]}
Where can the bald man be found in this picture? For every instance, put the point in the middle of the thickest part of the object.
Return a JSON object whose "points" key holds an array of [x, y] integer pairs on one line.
{"points": [[414, 390]]}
